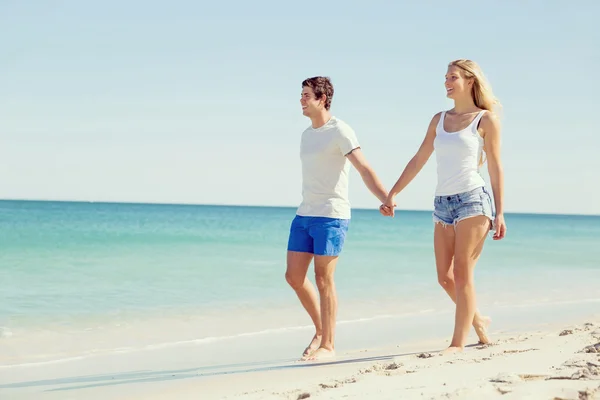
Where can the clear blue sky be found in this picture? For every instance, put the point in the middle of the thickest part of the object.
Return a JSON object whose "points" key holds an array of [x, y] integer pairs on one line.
{"points": [[186, 102]]}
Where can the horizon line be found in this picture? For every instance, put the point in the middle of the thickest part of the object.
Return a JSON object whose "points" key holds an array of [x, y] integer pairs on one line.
{"points": [[251, 205]]}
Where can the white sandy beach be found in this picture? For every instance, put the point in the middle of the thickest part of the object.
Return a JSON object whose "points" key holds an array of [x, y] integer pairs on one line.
{"points": [[535, 365], [549, 363]]}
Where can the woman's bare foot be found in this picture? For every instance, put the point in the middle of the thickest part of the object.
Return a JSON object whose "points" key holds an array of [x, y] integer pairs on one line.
{"points": [[481, 327], [321, 353], [451, 350], [314, 345]]}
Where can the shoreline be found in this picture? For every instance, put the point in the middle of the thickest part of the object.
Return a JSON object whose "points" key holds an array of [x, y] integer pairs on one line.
{"points": [[378, 368], [370, 327]]}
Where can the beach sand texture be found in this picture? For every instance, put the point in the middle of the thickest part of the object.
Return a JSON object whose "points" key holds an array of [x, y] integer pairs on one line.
{"points": [[557, 363]]}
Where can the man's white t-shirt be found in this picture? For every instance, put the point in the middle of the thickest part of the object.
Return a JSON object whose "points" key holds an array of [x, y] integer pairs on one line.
{"points": [[325, 169]]}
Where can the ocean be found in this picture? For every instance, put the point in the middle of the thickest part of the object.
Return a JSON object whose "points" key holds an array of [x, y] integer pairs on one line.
{"points": [[79, 279]]}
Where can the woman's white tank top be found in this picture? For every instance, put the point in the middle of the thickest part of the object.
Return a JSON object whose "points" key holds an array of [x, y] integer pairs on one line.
{"points": [[458, 154]]}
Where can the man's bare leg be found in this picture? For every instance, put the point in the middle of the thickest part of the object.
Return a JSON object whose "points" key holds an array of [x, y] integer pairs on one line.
{"points": [[444, 237], [297, 267], [324, 271]]}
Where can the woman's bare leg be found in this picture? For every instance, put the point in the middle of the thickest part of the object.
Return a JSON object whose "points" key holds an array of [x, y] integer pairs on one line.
{"points": [[444, 256], [469, 238]]}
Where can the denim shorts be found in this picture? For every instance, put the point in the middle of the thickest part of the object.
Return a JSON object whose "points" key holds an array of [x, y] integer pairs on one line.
{"points": [[449, 210], [321, 236]]}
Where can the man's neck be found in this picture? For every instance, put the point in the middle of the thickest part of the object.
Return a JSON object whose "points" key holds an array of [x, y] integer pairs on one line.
{"points": [[320, 119]]}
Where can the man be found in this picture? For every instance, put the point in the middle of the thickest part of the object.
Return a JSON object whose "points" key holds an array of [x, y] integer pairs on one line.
{"points": [[318, 231]]}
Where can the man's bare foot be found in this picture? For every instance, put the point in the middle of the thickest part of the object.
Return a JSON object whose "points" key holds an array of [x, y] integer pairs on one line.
{"points": [[321, 353], [314, 345], [481, 327], [451, 350]]}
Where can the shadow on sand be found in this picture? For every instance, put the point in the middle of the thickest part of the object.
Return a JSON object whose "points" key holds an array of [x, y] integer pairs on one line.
{"points": [[93, 381]]}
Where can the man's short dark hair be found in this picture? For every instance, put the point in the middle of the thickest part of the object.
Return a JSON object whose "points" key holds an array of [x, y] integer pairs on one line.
{"points": [[320, 85]]}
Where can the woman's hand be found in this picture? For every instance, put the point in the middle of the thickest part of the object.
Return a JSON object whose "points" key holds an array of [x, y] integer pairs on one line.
{"points": [[500, 227]]}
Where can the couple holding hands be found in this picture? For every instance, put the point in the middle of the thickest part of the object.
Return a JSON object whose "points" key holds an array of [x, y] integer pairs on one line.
{"points": [[463, 138]]}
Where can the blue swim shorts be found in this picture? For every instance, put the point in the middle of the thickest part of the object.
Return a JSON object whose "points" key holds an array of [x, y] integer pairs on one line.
{"points": [[321, 236], [449, 210]]}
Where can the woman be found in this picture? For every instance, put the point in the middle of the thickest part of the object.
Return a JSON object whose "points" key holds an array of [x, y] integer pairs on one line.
{"points": [[463, 213]]}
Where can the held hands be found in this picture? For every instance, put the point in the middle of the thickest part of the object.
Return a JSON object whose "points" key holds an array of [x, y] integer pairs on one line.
{"points": [[387, 208], [500, 227]]}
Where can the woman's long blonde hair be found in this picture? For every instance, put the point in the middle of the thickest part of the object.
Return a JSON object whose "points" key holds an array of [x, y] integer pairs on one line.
{"points": [[481, 92]]}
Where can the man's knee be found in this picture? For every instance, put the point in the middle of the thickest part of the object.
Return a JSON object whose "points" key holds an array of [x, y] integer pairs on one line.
{"points": [[324, 281], [296, 281]]}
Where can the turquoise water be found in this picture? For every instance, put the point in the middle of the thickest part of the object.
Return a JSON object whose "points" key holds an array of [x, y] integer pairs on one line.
{"points": [[76, 267]]}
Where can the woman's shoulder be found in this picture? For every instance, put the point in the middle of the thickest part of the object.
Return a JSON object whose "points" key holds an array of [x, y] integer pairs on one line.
{"points": [[489, 123], [489, 117], [437, 116]]}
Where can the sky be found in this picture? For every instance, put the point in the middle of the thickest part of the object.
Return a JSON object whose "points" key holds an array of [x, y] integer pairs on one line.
{"points": [[198, 102]]}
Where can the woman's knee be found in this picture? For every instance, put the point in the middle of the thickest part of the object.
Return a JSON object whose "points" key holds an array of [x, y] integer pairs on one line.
{"points": [[446, 280], [463, 273]]}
